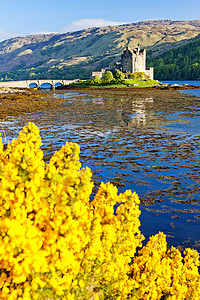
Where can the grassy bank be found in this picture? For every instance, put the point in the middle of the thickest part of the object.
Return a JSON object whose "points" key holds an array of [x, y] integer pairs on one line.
{"points": [[125, 83]]}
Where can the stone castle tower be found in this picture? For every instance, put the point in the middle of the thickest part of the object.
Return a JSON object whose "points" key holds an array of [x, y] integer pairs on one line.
{"points": [[135, 61]]}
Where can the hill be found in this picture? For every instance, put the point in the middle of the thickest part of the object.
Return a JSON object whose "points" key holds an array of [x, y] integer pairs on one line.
{"points": [[180, 63], [73, 55]]}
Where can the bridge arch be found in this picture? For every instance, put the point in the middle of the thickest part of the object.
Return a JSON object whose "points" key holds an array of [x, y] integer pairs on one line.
{"points": [[57, 84], [46, 85], [32, 85]]}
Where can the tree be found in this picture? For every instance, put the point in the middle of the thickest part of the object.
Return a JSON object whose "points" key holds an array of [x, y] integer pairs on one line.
{"points": [[96, 79], [119, 75], [108, 77]]}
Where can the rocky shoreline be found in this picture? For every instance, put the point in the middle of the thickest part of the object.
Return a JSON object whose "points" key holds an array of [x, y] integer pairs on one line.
{"points": [[131, 88], [17, 101], [7, 90], [177, 87]]}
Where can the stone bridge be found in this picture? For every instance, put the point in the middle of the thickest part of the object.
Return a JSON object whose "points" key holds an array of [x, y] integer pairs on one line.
{"points": [[37, 83]]}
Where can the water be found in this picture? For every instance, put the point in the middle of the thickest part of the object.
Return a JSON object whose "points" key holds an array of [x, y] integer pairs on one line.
{"points": [[190, 82], [145, 141]]}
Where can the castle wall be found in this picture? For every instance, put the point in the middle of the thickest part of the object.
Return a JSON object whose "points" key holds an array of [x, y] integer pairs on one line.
{"points": [[127, 65], [127, 61], [100, 74], [150, 72], [139, 62]]}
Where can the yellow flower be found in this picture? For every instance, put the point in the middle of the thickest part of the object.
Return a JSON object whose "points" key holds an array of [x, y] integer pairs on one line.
{"points": [[55, 240]]}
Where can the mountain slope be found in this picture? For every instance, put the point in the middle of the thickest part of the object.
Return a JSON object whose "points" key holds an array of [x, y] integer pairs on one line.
{"points": [[73, 54], [180, 63]]}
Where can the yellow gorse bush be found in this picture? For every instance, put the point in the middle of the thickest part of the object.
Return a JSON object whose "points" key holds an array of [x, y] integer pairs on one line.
{"points": [[55, 243]]}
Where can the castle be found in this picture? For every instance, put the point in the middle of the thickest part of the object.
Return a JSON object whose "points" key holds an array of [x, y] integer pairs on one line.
{"points": [[135, 61], [131, 61]]}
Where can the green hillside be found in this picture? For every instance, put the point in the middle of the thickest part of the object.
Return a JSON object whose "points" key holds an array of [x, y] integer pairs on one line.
{"points": [[74, 54], [180, 63]]}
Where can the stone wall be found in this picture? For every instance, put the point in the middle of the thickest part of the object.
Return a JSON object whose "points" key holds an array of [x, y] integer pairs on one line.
{"points": [[150, 72], [127, 61], [139, 61], [100, 74]]}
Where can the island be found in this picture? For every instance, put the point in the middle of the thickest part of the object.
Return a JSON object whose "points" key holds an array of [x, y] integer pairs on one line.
{"points": [[130, 72]]}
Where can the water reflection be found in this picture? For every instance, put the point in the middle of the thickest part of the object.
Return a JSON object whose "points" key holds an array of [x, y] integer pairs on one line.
{"points": [[139, 112], [145, 141], [131, 113]]}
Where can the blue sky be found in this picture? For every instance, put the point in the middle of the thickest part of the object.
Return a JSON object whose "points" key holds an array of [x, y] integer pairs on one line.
{"points": [[25, 17]]}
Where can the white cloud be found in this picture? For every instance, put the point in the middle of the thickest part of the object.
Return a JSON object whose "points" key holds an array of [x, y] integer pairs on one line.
{"points": [[5, 35], [41, 33], [88, 23], [74, 26]]}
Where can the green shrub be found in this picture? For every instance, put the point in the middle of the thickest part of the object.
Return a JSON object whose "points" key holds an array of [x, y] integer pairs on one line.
{"points": [[96, 79], [119, 75], [108, 77]]}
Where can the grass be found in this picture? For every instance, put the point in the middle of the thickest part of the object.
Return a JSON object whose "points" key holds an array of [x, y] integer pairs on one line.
{"points": [[125, 83]]}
